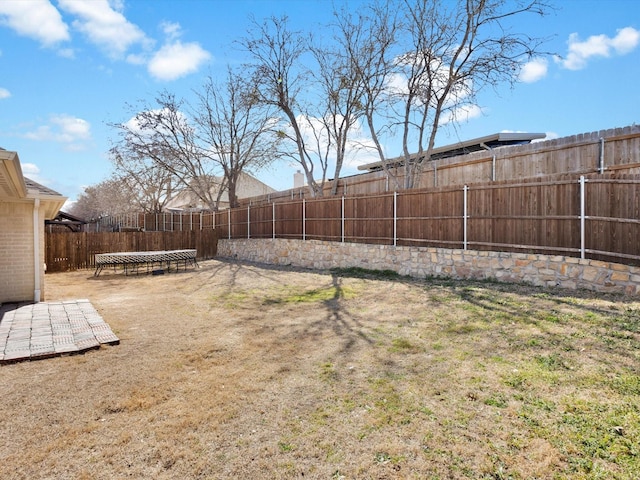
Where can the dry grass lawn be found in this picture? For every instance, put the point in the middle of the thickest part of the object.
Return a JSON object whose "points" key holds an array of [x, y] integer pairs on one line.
{"points": [[244, 371]]}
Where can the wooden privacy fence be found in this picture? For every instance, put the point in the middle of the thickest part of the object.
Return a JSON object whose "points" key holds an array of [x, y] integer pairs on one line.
{"points": [[594, 217], [76, 250], [155, 222]]}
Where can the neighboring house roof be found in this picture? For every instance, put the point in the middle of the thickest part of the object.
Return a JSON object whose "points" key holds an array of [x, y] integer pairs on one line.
{"points": [[16, 187], [248, 186], [488, 142], [65, 219]]}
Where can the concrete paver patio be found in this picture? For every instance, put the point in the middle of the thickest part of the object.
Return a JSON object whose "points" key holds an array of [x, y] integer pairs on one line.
{"points": [[31, 331]]}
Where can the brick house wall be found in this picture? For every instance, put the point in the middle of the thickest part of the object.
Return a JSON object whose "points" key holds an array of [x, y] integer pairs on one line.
{"points": [[16, 260], [24, 207]]}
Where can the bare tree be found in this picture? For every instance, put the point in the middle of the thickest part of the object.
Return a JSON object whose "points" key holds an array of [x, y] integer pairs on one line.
{"points": [[339, 104], [107, 198], [279, 77], [319, 118], [454, 50], [206, 146], [368, 39], [150, 183], [421, 61], [236, 127], [164, 135]]}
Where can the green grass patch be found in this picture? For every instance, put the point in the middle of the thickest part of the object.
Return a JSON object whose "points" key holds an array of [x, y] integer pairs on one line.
{"points": [[497, 400], [551, 362], [322, 294], [328, 372], [358, 272], [626, 384], [600, 432], [286, 447], [234, 299], [403, 345]]}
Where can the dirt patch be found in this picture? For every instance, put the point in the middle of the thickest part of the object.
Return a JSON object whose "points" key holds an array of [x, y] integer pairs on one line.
{"points": [[237, 370]]}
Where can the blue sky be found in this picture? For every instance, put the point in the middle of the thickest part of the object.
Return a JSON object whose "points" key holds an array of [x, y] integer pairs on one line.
{"points": [[70, 67]]}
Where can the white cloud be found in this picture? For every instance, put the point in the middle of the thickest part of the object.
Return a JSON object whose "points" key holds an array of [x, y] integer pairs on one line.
{"points": [[172, 31], [71, 131], [72, 128], [458, 106], [36, 19], [461, 113], [136, 59], [145, 123], [534, 70], [549, 136], [66, 53], [4, 93], [30, 169], [176, 60], [626, 40], [105, 26], [360, 149]]}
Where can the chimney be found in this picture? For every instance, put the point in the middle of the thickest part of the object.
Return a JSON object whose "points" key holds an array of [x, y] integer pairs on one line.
{"points": [[298, 179]]}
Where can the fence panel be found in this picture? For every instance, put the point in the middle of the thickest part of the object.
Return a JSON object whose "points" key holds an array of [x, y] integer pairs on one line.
{"points": [[222, 224], [525, 217], [369, 219], [323, 219], [261, 217], [430, 218], [613, 217], [239, 223], [289, 218]]}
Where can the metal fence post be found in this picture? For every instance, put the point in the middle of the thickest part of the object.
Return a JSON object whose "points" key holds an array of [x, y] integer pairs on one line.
{"points": [[582, 216], [248, 221], [342, 222], [304, 219], [395, 218], [273, 220], [465, 216]]}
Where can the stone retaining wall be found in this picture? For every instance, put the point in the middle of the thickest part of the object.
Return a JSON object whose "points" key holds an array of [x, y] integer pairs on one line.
{"points": [[536, 269]]}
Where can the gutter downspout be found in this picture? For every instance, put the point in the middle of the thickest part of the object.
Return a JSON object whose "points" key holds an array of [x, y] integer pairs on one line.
{"points": [[493, 160], [36, 250]]}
